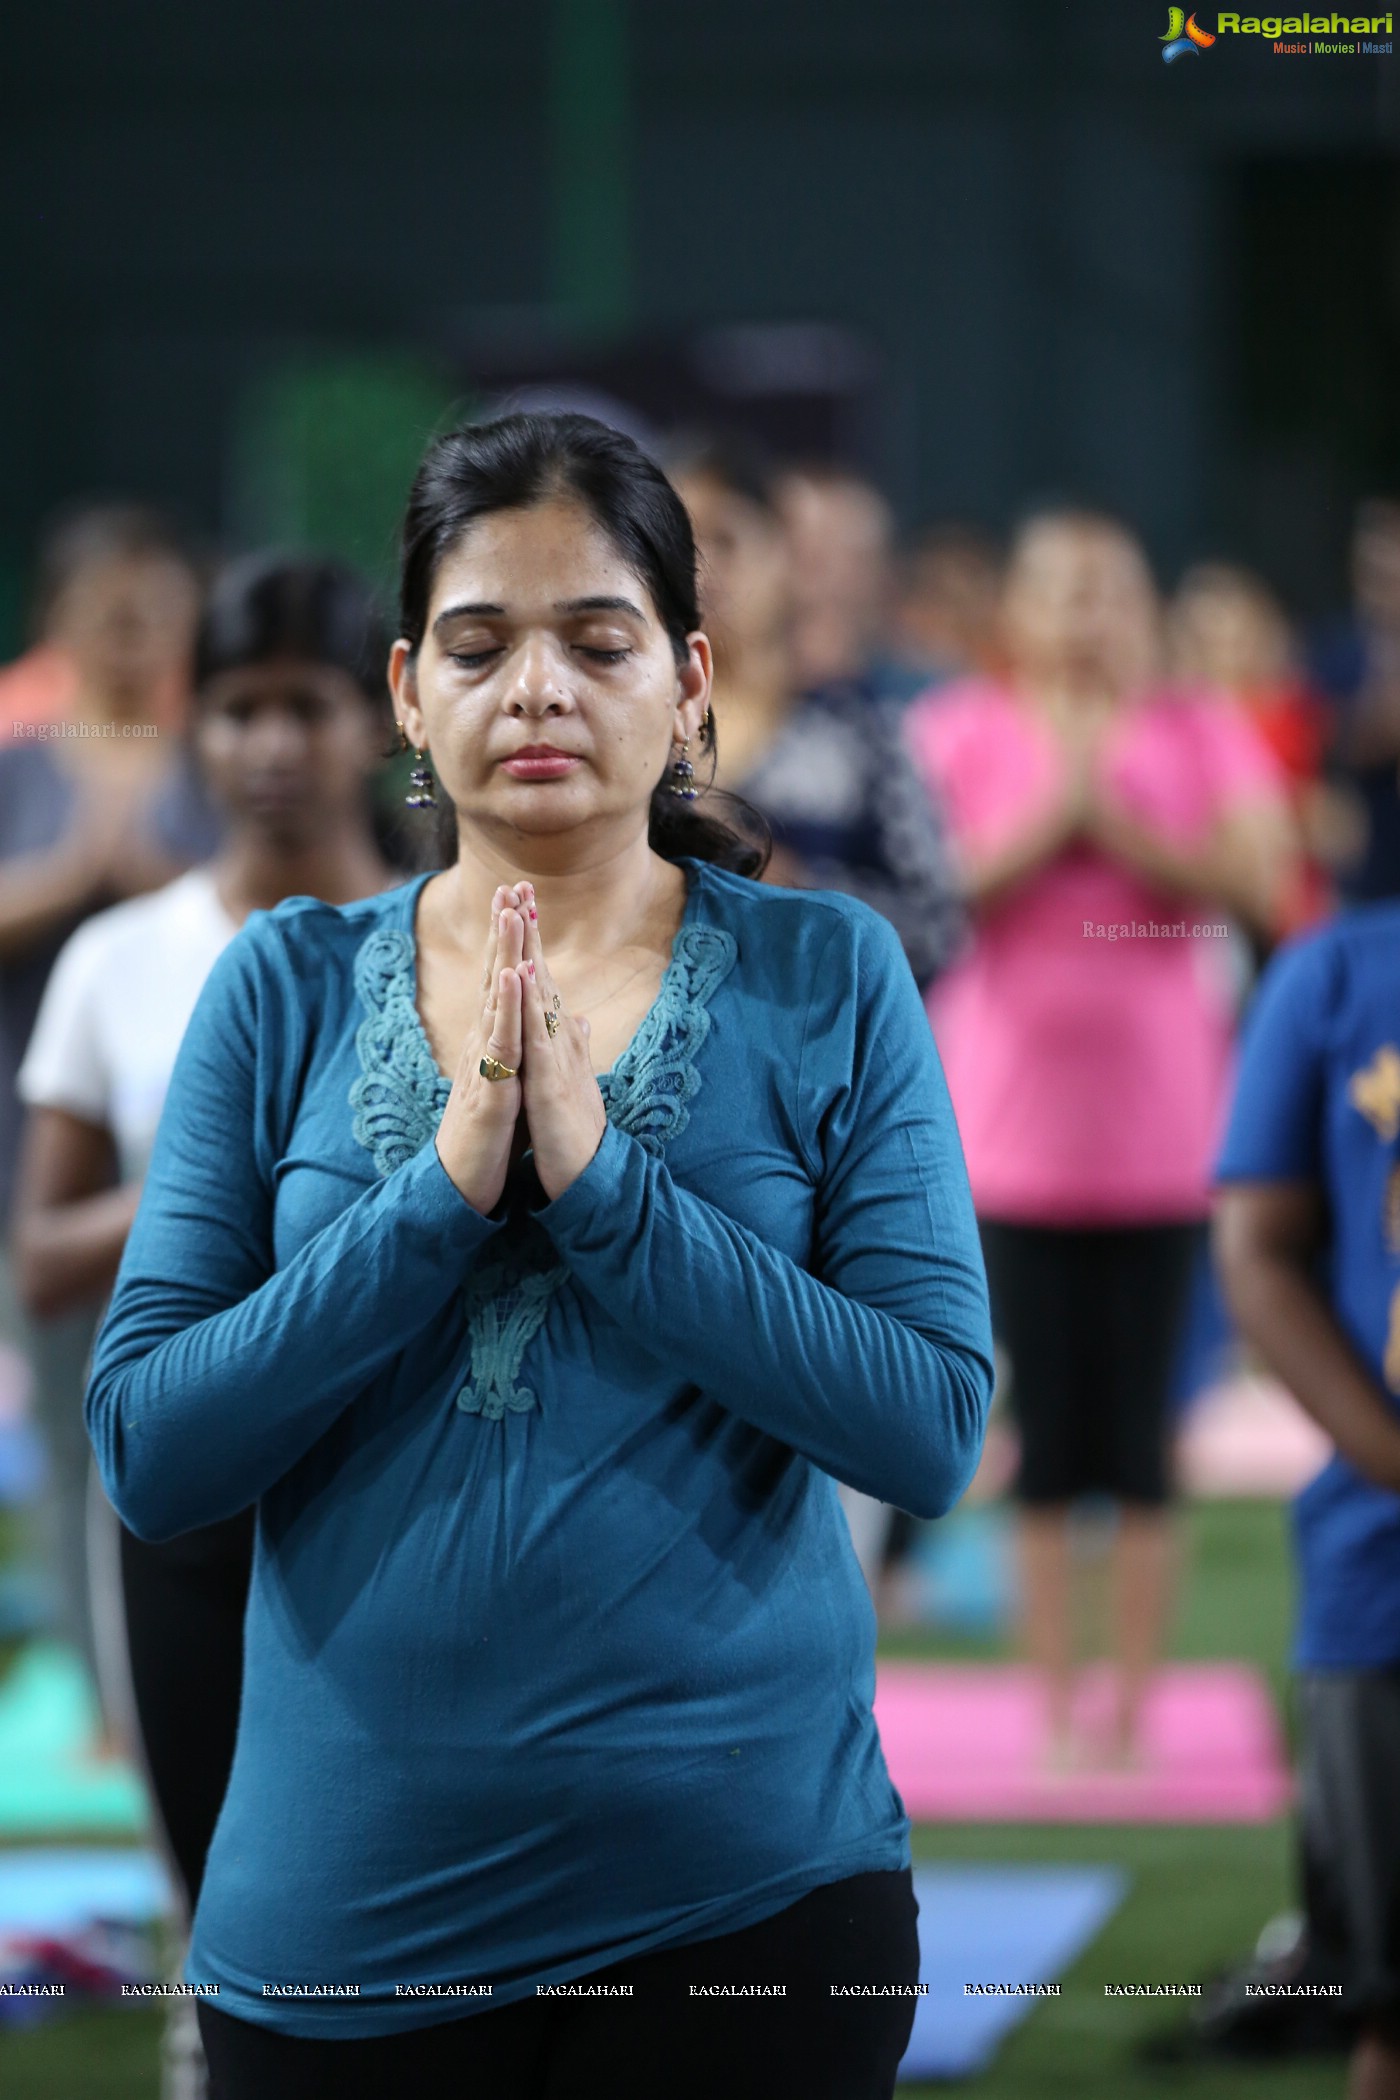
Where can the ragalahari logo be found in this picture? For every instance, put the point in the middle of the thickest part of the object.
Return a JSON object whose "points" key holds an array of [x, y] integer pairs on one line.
{"points": [[1183, 36]]}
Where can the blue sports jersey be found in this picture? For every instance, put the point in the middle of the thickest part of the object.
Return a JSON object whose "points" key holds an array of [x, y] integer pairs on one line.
{"points": [[1318, 1099]]}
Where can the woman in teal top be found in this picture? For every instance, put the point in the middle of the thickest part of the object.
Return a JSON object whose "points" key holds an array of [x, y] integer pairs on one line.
{"points": [[537, 1245]]}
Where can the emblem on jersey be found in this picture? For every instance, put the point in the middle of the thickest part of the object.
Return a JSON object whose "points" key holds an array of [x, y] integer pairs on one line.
{"points": [[1375, 1091]]}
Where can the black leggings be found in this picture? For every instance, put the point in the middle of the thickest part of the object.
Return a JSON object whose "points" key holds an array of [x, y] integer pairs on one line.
{"points": [[184, 1603], [660, 2041], [1091, 1318]]}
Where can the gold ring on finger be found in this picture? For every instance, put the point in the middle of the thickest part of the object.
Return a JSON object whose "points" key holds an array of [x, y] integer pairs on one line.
{"points": [[556, 1002], [551, 1022], [492, 1068]]}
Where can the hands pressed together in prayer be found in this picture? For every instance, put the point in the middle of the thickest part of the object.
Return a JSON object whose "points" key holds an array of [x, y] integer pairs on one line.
{"points": [[553, 1103]]}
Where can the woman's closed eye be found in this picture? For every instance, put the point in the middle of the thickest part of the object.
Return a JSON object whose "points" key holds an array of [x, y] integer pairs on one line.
{"points": [[473, 659]]}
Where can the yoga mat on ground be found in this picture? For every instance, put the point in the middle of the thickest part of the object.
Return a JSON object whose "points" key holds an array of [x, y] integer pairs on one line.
{"points": [[960, 1574], [1247, 1436], [49, 1779], [965, 1743], [52, 1891], [22, 1462], [977, 1925], [1002, 1925]]}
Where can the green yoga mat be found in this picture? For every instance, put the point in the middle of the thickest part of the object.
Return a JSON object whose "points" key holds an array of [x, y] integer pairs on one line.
{"points": [[49, 1780]]}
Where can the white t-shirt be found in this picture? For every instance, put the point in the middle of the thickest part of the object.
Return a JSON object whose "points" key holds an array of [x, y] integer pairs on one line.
{"points": [[116, 1006]]}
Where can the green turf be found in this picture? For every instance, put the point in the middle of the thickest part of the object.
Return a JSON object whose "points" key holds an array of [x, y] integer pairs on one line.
{"points": [[1197, 1900]]}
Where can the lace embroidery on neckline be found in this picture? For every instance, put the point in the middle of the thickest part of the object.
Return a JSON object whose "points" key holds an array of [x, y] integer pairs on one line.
{"points": [[399, 1096]]}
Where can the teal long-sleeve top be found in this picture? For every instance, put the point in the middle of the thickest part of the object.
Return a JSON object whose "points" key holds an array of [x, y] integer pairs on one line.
{"points": [[557, 1651]]}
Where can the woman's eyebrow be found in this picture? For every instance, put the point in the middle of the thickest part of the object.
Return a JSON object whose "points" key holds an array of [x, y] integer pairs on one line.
{"points": [[583, 605], [482, 611], [485, 610]]}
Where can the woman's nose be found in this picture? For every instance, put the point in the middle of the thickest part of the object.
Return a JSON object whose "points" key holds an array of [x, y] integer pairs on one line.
{"points": [[538, 675]]}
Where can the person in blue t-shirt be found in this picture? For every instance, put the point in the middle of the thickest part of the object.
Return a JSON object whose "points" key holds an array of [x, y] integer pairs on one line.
{"points": [[1307, 1234]]}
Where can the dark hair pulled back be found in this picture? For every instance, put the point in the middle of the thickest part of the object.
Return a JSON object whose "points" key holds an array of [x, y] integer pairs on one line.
{"points": [[309, 607], [518, 461]]}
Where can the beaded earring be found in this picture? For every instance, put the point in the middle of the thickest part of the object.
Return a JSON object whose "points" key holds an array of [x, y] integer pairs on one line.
{"points": [[422, 788], [682, 775]]}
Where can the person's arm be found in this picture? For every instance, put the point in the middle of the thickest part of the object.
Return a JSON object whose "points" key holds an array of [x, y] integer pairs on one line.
{"points": [[1270, 1207], [70, 1221], [1005, 823], [877, 1363], [40, 892], [1266, 1237], [215, 1369], [1244, 865], [990, 873]]}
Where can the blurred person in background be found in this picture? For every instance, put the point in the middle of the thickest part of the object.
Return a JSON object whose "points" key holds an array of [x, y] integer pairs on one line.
{"points": [[1098, 817], [841, 533], [948, 595], [1356, 664], [1226, 629], [1307, 1235], [829, 772], [291, 721], [114, 591], [100, 805]]}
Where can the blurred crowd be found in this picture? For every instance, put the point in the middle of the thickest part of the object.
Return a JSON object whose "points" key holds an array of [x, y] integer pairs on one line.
{"points": [[1091, 810]]}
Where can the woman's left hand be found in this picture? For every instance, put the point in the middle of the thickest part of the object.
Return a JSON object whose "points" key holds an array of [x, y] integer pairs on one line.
{"points": [[563, 1104]]}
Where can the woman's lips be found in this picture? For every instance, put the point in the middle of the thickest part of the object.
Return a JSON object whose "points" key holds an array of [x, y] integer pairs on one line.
{"points": [[552, 766]]}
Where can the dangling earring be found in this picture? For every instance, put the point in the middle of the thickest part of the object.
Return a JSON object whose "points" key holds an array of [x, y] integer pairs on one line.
{"points": [[682, 780], [422, 790]]}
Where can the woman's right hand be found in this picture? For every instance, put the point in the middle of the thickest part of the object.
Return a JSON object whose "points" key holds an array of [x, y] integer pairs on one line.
{"points": [[1081, 732], [478, 1127]]}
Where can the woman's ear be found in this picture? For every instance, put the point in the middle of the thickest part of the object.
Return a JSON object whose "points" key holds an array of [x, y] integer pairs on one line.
{"points": [[403, 684], [695, 681]]}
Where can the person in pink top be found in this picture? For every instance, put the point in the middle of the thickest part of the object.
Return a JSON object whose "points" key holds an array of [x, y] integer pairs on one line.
{"points": [[1106, 827]]}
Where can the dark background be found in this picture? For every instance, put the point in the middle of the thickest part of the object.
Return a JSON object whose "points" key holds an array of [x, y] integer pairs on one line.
{"points": [[990, 249]]}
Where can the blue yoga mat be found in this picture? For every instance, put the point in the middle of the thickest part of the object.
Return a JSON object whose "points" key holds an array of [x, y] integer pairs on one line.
{"points": [[965, 1574], [49, 1890], [22, 1463], [1002, 1925], [976, 1925], [49, 1780]]}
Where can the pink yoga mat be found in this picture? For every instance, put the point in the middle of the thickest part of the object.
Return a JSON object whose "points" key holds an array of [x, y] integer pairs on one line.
{"points": [[965, 1743], [1248, 1436]]}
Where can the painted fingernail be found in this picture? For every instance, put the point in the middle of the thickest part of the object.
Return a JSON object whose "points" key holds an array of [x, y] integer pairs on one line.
{"points": [[533, 913], [530, 966]]}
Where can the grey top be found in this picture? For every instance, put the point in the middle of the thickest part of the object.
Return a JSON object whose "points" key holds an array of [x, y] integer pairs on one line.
{"points": [[38, 801]]}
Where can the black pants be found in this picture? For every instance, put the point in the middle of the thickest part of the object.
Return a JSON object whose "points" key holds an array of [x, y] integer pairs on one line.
{"points": [[184, 1603], [1091, 1318], [660, 2044], [1350, 1830]]}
